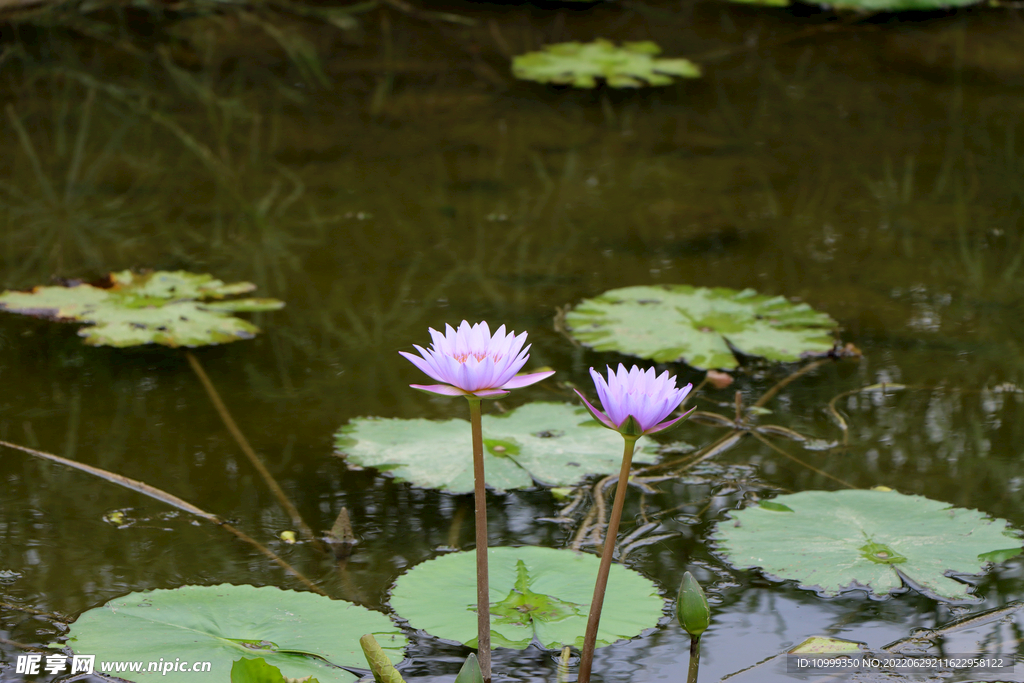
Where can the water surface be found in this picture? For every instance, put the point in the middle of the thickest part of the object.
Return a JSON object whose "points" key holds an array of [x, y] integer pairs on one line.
{"points": [[872, 168]]}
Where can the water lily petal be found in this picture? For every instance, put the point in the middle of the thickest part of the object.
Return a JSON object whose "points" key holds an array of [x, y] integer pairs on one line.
{"points": [[598, 415], [442, 389], [512, 366], [426, 364], [490, 393], [520, 381], [668, 424]]}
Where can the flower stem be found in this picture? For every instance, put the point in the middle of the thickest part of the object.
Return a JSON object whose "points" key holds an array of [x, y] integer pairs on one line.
{"points": [[483, 599], [691, 674], [590, 640]]}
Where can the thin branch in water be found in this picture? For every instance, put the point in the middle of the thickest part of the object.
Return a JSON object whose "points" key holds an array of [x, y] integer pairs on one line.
{"points": [[839, 418], [256, 461], [173, 501], [770, 394], [23, 646], [584, 529], [801, 462], [36, 612], [723, 443], [600, 505]]}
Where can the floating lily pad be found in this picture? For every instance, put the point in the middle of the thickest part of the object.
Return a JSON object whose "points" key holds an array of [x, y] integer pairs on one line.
{"points": [[877, 541], [129, 309], [822, 645], [258, 671], [553, 443], [302, 634], [537, 595], [697, 325], [633, 65]]}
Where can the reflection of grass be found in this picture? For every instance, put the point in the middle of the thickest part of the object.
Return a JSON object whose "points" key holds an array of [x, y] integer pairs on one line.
{"points": [[59, 216], [989, 259]]}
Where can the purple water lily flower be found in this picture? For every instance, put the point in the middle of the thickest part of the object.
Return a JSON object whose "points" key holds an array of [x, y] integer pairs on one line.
{"points": [[471, 362], [636, 394]]}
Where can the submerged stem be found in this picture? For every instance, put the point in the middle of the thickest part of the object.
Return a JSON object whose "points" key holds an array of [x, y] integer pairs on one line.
{"points": [[590, 640], [483, 599]]}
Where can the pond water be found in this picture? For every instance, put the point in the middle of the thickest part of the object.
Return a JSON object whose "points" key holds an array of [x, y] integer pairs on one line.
{"points": [[398, 179]]}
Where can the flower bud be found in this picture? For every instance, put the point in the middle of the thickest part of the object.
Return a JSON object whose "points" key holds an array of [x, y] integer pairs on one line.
{"points": [[692, 606]]}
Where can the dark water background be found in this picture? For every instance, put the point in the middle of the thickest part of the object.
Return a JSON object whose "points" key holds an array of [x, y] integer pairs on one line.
{"points": [[873, 168]]}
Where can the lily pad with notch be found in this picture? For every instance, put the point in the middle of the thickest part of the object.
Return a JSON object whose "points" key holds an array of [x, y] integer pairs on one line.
{"points": [[129, 309], [580, 65], [538, 595], [880, 541], [700, 326], [302, 634], [555, 444]]}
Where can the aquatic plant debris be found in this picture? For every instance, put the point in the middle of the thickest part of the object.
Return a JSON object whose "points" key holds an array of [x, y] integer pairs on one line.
{"points": [[700, 326], [300, 633], [556, 444], [874, 540], [537, 595], [129, 309], [634, 65]]}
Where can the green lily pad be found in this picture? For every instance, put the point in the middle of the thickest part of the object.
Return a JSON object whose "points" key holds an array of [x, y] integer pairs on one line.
{"points": [[833, 541], [129, 309], [697, 325], [537, 595], [555, 444], [302, 634], [580, 65], [258, 671], [822, 645]]}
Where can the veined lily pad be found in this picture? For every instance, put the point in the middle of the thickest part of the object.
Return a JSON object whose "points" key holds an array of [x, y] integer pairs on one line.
{"points": [[302, 634], [580, 65], [129, 309], [247, 670], [697, 325], [553, 443], [833, 541], [537, 595]]}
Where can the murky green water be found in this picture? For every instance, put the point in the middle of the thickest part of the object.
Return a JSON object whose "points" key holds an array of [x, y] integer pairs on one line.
{"points": [[872, 169]]}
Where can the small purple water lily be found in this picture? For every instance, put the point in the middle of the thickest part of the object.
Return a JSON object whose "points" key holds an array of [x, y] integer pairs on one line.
{"points": [[471, 362], [637, 401]]}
